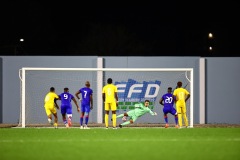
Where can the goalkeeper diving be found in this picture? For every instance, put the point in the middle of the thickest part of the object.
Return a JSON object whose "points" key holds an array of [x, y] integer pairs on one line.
{"points": [[134, 114]]}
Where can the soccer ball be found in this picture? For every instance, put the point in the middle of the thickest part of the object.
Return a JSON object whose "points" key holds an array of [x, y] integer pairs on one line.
{"points": [[124, 118]]}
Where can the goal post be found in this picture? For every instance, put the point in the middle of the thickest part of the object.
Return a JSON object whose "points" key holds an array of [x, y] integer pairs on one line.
{"points": [[134, 85]]}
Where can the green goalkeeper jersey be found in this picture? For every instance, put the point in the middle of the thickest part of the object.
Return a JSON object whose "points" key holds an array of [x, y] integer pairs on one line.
{"points": [[140, 110]]}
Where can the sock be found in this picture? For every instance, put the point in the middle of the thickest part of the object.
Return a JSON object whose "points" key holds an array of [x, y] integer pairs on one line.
{"points": [[180, 119], [125, 123], [114, 118], [81, 121], [49, 120], [166, 118], [106, 120], [65, 121], [176, 119], [86, 120], [185, 119]]}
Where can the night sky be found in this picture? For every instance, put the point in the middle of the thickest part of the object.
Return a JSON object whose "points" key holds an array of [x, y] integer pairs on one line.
{"points": [[170, 28]]}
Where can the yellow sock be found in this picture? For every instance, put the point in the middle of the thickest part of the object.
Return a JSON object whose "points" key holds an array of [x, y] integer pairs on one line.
{"points": [[185, 119], [55, 125], [180, 119], [106, 120], [114, 118]]}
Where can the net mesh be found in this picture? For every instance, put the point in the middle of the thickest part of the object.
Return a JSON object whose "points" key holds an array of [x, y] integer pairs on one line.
{"points": [[133, 87]]}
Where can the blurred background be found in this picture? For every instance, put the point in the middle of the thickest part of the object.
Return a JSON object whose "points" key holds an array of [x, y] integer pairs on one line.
{"points": [[165, 28]]}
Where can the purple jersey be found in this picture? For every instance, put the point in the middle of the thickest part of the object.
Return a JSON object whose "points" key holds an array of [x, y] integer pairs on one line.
{"points": [[66, 99], [168, 102], [86, 93]]}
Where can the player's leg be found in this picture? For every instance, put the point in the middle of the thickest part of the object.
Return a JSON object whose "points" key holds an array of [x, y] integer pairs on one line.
{"points": [[174, 113], [69, 115], [81, 119], [65, 119], [166, 120], [176, 120], [114, 119], [82, 116], [185, 115], [63, 112], [114, 116], [87, 111], [49, 114], [54, 112], [55, 120], [179, 111], [106, 106], [122, 115], [126, 123], [50, 109], [132, 119], [165, 112], [86, 120], [69, 119]]}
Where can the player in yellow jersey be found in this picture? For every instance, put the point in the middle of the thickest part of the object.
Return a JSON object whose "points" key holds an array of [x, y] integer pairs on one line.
{"points": [[50, 106], [110, 99], [182, 95]]}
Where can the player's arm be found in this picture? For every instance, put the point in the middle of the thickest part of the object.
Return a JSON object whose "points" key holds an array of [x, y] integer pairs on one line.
{"points": [[75, 101], [188, 96], [116, 97], [174, 98], [175, 95], [161, 101], [152, 113], [76, 94], [103, 97], [91, 102], [55, 102]]}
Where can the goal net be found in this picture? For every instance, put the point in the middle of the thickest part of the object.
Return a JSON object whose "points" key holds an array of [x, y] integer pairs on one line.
{"points": [[134, 85]]}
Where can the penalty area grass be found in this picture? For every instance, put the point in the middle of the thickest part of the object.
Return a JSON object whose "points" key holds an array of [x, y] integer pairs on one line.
{"points": [[125, 143]]}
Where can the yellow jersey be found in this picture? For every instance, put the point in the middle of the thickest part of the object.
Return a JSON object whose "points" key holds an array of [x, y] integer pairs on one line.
{"points": [[180, 94], [109, 91], [49, 98]]}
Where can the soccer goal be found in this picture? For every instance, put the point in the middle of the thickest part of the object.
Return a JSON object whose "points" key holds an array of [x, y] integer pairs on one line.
{"points": [[134, 85]]}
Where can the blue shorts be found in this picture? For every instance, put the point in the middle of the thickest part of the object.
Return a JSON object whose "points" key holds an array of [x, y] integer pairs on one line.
{"points": [[171, 110], [66, 109], [85, 108]]}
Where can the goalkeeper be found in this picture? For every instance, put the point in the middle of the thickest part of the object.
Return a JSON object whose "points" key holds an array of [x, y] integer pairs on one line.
{"points": [[134, 114]]}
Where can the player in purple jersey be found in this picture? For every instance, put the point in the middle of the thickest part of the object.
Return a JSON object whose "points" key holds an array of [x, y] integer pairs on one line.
{"points": [[86, 103], [167, 101], [66, 106]]}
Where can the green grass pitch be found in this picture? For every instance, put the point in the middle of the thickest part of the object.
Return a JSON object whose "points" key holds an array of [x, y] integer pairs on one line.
{"points": [[122, 144]]}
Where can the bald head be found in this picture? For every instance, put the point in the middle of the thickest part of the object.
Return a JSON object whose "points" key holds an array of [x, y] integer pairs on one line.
{"points": [[87, 84]]}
